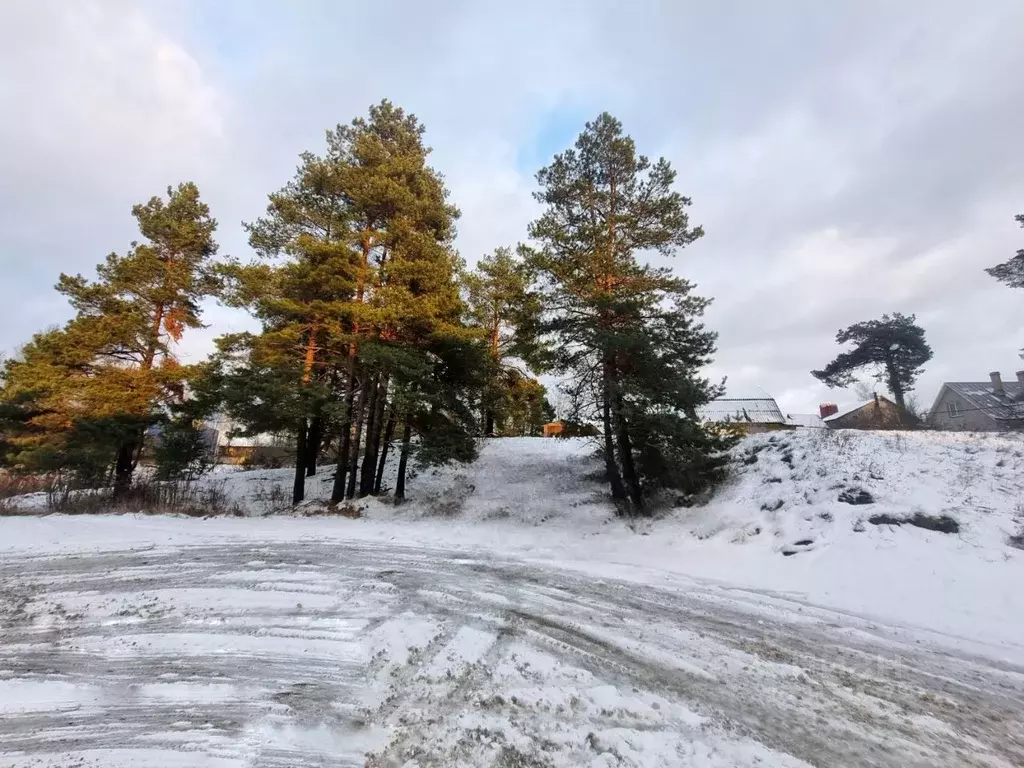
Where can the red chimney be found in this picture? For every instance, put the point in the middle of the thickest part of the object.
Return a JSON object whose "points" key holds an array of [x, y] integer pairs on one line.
{"points": [[828, 409]]}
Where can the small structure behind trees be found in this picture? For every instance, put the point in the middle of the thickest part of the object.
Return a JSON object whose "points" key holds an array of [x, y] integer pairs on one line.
{"points": [[878, 413], [748, 416]]}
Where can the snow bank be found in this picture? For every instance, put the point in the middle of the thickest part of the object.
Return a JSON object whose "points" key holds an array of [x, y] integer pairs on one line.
{"points": [[783, 523], [796, 517]]}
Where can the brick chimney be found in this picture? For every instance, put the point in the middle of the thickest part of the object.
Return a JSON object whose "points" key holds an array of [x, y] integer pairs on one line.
{"points": [[827, 409], [997, 382], [1020, 380]]}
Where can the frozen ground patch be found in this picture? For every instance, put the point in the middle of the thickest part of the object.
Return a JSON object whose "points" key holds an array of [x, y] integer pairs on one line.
{"points": [[238, 650], [795, 518], [504, 617]]}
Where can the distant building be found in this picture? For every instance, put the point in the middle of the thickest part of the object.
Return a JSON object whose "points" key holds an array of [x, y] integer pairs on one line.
{"points": [[985, 406], [805, 420], [748, 415], [553, 429], [232, 448], [878, 413]]}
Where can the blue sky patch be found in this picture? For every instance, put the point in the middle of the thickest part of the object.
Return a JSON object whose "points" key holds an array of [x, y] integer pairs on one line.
{"points": [[556, 130]]}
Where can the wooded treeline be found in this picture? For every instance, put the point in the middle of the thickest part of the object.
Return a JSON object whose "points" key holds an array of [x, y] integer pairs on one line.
{"points": [[377, 344]]}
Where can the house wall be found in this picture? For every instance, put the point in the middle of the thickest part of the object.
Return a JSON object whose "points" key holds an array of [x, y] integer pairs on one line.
{"points": [[970, 419], [880, 415], [756, 429], [553, 429]]}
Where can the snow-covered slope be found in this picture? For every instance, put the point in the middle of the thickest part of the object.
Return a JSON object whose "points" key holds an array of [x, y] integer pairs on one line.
{"points": [[505, 617], [821, 486], [782, 523], [825, 487]]}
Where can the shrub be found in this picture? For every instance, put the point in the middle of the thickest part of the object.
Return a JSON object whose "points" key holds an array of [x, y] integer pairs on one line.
{"points": [[572, 428], [17, 484], [147, 497]]}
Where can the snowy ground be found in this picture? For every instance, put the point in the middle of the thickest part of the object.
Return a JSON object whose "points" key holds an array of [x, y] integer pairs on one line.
{"points": [[505, 619]]}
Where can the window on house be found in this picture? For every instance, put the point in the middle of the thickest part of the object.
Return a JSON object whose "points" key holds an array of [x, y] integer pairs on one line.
{"points": [[954, 410]]}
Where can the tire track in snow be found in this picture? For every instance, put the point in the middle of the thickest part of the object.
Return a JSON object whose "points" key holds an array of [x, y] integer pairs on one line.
{"points": [[255, 653]]}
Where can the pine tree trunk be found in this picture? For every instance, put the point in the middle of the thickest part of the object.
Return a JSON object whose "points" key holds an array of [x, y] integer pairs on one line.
{"points": [[611, 466], [403, 462], [316, 434], [496, 357], [369, 468], [389, 432], [895, 386], [348, 456], [123, 469], [632, 479], [357, 437], [338, 491], [305, 448], [299, 486]]}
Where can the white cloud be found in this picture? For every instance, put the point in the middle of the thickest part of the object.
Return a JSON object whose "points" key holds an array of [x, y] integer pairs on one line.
{"points": [[846, 159], [102, 110]]}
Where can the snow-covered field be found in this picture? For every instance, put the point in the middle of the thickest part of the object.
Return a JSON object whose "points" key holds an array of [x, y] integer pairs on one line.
{"points": [[504, 617]]}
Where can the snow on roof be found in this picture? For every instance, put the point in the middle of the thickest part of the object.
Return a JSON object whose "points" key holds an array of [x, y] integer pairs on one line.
{"points": [[759, 410], [810, 420], [849, 410], [982, 396]]}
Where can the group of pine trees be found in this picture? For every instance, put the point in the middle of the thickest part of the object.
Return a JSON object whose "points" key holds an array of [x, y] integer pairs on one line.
{"points": [[376, 344]]}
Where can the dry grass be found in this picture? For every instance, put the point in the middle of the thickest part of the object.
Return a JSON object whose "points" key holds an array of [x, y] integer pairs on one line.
{"points": [[144, 497], [13, 484]]}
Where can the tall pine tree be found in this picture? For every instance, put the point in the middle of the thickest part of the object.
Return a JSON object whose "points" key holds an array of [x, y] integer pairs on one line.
{"points": [[627, 334], [96, 385], [283, 378], [406, 301], [892, 349], [359, 301], [503, 306]]}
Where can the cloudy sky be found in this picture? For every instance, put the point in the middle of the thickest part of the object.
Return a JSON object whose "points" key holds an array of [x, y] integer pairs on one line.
{"points": [[845, 158]]}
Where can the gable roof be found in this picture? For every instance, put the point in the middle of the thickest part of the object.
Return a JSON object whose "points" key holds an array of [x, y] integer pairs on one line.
{"points": [[751, 410], [849, 409], [809, 420], [854, 408], [1007, 406]]}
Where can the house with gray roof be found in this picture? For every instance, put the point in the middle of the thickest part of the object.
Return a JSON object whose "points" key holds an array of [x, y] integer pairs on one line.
{"points": [[748, 414], [980, 406]]}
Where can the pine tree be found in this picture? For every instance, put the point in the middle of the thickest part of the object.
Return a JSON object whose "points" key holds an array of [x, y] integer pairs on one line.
{"points": [[398, 212], [63, 413], [504, 308], [361, 296], [661, 348], [97, 384], [1011, 272], [892, 349], [624, 328], [302, 292], [525, 406]]}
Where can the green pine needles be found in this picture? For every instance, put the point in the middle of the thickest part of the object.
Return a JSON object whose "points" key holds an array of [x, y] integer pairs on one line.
{"points": [[377, 346]]}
